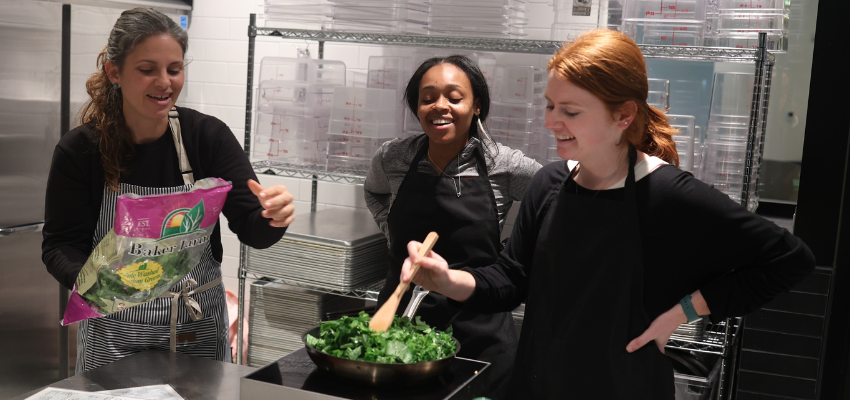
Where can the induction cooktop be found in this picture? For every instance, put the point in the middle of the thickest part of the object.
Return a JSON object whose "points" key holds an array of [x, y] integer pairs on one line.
{"points": [[297, 377]]}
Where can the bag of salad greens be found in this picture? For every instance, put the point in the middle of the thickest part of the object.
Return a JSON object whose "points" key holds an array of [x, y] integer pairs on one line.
{"points": [[155, 242]]}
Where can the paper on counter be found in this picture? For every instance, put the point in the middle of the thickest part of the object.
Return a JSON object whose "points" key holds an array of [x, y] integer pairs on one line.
{"points": [[68, 394], [153, 392]]}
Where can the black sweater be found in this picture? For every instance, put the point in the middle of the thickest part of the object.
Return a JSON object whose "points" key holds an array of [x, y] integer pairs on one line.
{"points": [[76, 183], [694, 237]]}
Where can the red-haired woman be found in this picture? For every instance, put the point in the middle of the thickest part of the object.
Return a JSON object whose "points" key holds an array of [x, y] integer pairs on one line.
{"points": [[621, 250]]}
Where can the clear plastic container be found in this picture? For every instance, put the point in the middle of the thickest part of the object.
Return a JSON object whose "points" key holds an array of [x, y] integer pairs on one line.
{"points": [[483, 3], [384, 25], [519, 84], [329, 72], [664, 10], [462, 11], [357, 147], [777, 40], [487, 30], [659, 93], [514, 110], [348, 165], [746, 21], [567, 32], [363, 129], [685, 139], [517, 125], [758, 5], [723, 165], [732, 97], [387, 72], [361, 13], [303, 9], [291, 126], [716, 130], [673, 33], [351, 102], [302, 94], [611, 14], [293, 151]]}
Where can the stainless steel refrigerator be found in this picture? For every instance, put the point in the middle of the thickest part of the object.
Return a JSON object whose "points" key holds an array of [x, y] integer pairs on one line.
{"points": [[30, 64], [47, 51]]}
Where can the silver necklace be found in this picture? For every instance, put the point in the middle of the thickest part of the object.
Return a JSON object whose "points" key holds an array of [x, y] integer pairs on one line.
{"points": [[457, 185]]}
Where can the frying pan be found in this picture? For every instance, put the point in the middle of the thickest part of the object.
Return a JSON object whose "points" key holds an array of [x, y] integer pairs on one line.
{"points": [[377, 374]]}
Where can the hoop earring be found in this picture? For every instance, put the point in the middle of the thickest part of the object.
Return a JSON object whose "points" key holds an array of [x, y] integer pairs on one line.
{"points": [[487, 135]]}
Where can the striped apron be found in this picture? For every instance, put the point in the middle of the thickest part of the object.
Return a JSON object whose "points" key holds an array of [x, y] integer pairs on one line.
{"points": [[197, 324]]}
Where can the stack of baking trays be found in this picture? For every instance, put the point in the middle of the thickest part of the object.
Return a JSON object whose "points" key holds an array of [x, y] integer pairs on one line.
{"points": [[280, 314], [334, 249]]}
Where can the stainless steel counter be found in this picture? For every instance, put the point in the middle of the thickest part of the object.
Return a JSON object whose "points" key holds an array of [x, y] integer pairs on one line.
{"points": [[192, 377]]}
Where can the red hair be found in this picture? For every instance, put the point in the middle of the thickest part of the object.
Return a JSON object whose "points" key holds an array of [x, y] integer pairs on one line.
{"points": [[609, 65]]}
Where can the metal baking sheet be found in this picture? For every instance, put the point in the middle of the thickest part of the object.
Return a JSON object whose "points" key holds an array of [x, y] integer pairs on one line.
{"points": [[349, 227]]}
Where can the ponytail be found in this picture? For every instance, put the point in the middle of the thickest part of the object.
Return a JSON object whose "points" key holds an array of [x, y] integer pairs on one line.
{"points": [[652, 134]]}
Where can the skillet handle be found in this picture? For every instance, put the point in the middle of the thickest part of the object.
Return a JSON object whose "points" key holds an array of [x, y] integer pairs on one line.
{"points": [[419, 293]]}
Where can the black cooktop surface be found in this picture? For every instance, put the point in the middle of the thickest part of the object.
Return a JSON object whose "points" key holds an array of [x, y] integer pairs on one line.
{"points": [[462, 379]]}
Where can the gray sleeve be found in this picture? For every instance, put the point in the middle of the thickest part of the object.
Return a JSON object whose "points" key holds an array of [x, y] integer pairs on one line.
{"points": [[377, 191], [522, 170]]}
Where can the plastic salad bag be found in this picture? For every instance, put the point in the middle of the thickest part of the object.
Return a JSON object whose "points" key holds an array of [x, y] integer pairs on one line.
{"points": [[155, 242]]}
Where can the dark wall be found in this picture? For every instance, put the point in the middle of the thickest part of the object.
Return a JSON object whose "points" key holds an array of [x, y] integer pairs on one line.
{"points": [[822, 208]]}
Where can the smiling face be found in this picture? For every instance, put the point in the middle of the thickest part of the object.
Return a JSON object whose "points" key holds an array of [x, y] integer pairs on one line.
{"points": [[581, 122], [446, 105], [150, 80]]}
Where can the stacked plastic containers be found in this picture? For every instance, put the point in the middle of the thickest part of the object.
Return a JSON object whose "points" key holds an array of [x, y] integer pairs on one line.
{"points": [[659, 94], [361, 120], [392, 72], [737, 23], [725, 147], [516, 109], [478, 18], [314, 13], [685, 139], [665, 22], [401, 16], [293, 109]]}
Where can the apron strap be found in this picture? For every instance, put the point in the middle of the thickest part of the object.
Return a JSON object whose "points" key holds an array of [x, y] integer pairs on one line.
{"points": [[185, 167], [192, 306]]}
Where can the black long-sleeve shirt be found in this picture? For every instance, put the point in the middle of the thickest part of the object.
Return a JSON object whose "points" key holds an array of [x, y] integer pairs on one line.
{"points": [[693, 237], [76, 183]]}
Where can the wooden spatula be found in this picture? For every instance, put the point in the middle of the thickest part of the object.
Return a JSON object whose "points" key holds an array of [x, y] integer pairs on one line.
{"points": [[382, 319]]}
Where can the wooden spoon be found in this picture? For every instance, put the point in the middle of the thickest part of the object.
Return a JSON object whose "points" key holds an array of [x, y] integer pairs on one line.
{"points": [[382, 319]]}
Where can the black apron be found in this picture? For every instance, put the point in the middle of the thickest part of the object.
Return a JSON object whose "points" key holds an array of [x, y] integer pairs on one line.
{"points": [[585, 304], [468, 226]]}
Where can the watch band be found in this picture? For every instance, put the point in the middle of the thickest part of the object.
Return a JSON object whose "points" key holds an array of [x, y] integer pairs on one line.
{"points": [[690, 312]]}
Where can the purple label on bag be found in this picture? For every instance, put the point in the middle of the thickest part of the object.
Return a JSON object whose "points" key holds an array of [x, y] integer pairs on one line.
{"points": [[163, 216]]}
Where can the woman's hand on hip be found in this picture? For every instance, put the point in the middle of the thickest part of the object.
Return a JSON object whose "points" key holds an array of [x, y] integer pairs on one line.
{"points": [[435, 275], [277, 203], [660, 329]]}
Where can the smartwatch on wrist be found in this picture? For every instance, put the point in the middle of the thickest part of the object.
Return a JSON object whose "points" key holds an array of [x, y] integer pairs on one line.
{"points": [[690, 312]]}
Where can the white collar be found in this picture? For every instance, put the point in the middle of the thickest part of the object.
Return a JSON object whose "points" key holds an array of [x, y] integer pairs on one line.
{"points": [[642, 169]]}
